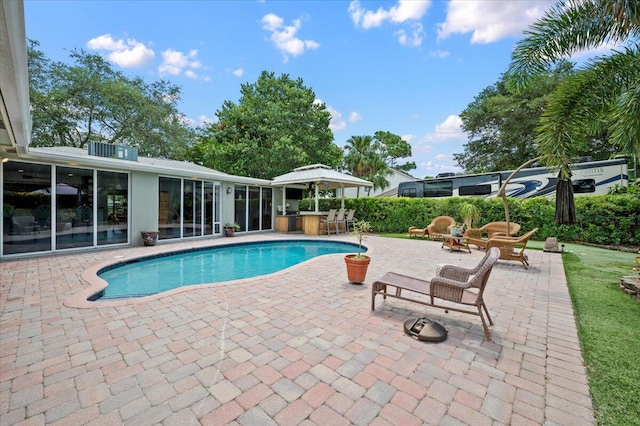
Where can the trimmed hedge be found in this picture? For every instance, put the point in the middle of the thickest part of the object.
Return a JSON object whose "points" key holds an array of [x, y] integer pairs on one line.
{"points": [[602, 219]]}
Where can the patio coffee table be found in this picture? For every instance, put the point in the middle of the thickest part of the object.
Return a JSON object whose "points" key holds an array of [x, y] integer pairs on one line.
{"points": [[454, 242]]}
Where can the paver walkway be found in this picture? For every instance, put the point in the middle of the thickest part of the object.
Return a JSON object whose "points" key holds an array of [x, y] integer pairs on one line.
{"points": [[297, 347]]}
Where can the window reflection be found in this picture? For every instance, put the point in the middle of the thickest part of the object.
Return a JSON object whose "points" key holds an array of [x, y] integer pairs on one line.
{"points": [[113, 208], [169, 208], [26, 208], [74, 207]]}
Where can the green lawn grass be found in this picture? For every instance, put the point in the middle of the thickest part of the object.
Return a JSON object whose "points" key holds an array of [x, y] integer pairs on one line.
{"points": [[608, 322]]}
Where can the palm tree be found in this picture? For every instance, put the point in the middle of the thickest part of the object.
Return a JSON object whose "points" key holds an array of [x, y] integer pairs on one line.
{"points": [[602, 97], [364, 160]]}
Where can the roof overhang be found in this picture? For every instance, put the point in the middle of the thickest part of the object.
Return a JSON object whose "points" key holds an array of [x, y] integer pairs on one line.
{"points": [[72, 157], [323, 176], [15, 118]]}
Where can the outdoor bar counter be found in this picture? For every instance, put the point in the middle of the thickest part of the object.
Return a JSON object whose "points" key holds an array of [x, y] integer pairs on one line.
{"points": [[308, 222], [311, 222], [288, 223]]}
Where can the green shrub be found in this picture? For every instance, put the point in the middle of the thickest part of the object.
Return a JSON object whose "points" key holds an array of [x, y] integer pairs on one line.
{"points": [[602, 219]]}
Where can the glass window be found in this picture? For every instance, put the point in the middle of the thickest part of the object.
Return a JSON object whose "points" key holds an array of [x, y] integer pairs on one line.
{"points": [[74, 207], [474, 190], [581, 186], [254, 209], [208, 208], [169, 208], [217, 214], [26, 208], [267, 207], [192, 208], [438, 189], [113, 207], [240, 204]]}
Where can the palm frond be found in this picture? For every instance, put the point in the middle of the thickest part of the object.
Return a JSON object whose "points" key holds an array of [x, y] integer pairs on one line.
{"points": [[568, 27]]}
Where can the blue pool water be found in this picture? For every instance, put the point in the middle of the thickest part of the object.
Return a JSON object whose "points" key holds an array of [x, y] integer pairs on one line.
{"points": [[152, 275]]}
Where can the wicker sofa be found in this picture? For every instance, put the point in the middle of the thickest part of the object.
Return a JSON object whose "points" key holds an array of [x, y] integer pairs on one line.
{"points": [[479, 236]]}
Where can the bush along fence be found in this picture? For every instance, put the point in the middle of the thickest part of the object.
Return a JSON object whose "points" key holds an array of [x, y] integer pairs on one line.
{"points": [[602, 219]]}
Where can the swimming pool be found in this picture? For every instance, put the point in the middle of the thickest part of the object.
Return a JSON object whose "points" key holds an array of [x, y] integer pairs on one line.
{"points": [[156, 274]]}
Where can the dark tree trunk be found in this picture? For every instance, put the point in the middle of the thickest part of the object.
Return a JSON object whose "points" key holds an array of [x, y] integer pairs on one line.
{"points": [[565, 207]]}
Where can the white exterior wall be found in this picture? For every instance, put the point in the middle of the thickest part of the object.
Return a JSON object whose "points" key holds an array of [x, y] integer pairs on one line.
{"points": [[394, 179], [143, 205]]}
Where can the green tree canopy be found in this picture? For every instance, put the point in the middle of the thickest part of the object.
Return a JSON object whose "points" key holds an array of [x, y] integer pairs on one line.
{"points": [[364, 158], [276, 126], [502, 122], [603, 96], [74, 104], [392, 147]]}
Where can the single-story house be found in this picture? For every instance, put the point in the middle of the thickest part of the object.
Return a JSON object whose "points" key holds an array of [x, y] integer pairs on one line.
{"points": [[64, 198]]}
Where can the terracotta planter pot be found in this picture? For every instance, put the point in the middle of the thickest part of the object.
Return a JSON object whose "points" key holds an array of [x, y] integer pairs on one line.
{"points": [[149, 238], [229, 232], [356, 268]]}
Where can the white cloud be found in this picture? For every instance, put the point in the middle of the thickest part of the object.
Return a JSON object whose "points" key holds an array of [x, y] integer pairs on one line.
{"points": [[404, 10], [337, 122], [439, 53], [206, 120], [176, 63], [407, 12], [106, 42], [413, 39], [409, 138], [124, 54], [284, 38], [238, 73], [450, 129], [433, 168], [490, 20], [354, 117]]}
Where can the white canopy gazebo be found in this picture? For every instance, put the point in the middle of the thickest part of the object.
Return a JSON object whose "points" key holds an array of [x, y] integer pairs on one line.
{"points": [[321, 176]]}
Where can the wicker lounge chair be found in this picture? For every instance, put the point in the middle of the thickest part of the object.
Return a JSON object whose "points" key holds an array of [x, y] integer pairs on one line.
{"points": [[452, 284], [479, 236], [512, 248], [440, 225]]}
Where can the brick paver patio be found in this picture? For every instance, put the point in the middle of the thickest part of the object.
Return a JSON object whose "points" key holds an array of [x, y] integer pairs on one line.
{"points": [[296, 347]]}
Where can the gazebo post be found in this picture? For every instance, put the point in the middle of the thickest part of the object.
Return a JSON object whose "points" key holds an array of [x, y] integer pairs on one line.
{"points": [[317, 195], [284, 200]]}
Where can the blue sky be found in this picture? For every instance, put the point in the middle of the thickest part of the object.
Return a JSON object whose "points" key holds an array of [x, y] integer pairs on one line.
{"points": [[408, 67]]}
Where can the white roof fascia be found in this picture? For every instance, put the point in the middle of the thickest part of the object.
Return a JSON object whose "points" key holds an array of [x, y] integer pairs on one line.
{"points": [[14, 78], [126, 165]]}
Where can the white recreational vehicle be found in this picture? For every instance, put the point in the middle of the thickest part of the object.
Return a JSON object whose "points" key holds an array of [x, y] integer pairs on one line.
{"points": [[589, 178]]}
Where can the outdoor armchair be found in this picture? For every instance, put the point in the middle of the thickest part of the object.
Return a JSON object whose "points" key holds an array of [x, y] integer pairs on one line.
{"points": [[440, 225], [512, 248]]}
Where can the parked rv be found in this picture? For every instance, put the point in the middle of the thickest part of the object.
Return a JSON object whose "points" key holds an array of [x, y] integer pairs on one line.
{"points": [[588, 178]]}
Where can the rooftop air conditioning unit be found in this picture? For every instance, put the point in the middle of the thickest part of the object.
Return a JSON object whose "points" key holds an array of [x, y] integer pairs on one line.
{"points": [[109, 150]]}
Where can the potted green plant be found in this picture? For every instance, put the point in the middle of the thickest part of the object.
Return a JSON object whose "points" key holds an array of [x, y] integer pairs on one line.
{"points": [[230, 229], [470, 213], [357, 264]]}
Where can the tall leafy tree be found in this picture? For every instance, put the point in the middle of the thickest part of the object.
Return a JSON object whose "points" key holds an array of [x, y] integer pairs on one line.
{"points": [[87, 100], [276, 126], [604, 95], [363, 158], [392, 147], [501, 123]]}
